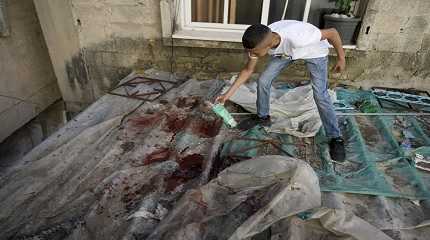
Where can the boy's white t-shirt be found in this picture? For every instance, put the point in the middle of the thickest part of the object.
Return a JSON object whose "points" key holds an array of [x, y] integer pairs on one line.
{"points": [[299, 40]]}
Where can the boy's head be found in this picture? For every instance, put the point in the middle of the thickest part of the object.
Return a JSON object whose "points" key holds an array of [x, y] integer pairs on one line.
{"points": [[257, 39]]}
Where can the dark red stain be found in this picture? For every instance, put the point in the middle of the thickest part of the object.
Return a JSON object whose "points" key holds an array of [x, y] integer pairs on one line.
{"points": [[187, 102], [205, 128], [191, 162], [147, 120], [175, 122], [159, 155], [132, 196], [190, 167], [173, 182]]}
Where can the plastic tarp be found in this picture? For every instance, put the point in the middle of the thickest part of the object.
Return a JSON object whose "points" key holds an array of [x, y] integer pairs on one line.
{"points": [[293, 111], [378, 160], [89, 180], [126, 169], [283, 187]]}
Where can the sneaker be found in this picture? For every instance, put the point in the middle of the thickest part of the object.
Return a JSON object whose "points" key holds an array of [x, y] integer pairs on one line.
{"points": [[254, 121], [337, 149], [265, 121]]}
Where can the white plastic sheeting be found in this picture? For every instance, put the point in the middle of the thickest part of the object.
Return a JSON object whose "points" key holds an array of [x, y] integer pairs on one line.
{"points": [[284, 187], [293, 111], [91, 180]]}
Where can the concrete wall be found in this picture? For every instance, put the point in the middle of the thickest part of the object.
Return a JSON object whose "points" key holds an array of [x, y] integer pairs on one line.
{"points": [[22, 141], [396, 46], [115, 37], [61, 35], [27, 82]]}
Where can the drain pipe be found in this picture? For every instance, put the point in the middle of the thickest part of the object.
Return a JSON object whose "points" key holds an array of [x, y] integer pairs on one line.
{"points": [[4, 26]]}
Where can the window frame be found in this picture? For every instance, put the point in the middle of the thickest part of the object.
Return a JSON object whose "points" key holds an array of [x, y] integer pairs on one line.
{"points": [[4, 25], [220, 31], [215, 32]]}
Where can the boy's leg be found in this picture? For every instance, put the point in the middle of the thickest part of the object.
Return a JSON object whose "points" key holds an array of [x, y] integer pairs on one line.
{"points": [[318, 71], [273, 68]]}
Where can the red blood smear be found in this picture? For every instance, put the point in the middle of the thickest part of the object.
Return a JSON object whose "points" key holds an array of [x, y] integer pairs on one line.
{"points": [[206, 129], [157, 156], [147, 120], [191, 162], [189, 167], [173, 182], [175, 122]]}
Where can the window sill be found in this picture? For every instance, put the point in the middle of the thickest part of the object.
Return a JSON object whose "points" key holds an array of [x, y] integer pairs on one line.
{"points": [[206, 39], [219, 40], [210, 35]]}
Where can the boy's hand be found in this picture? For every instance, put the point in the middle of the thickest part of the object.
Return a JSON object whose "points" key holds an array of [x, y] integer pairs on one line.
{"points": [[221, 99], [340, 65]]}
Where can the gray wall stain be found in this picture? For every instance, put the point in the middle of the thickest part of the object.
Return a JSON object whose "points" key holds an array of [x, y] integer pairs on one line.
{"points": [[76, 71]]}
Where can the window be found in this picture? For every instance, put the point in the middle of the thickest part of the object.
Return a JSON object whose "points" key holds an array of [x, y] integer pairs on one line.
{"points": [[239, 14], [4, 29], [225, 20]]}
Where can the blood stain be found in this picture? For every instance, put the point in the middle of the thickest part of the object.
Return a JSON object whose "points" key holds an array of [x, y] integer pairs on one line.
{"points": [[190, 167], [191, 162], [159, 155], [175, 122], [206, 129], [147, 120]]}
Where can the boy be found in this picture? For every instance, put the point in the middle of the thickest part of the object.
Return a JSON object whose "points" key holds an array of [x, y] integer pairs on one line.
{"points": [[286, 41]]}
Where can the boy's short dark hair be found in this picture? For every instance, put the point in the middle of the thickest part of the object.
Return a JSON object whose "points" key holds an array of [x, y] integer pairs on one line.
{"points": [[254, 35]]}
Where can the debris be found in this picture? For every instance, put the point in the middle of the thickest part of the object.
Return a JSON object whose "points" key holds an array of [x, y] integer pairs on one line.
{"points": [[421, 162], [401, 97], [342, 105], [143, 212], [144, 88], [406, 145], [365, 106], [384, 114]]}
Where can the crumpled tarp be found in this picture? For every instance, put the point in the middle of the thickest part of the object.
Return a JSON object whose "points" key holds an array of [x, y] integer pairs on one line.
{"points": [[378, 160], [124, 169], [293, 111], [283, 187]]}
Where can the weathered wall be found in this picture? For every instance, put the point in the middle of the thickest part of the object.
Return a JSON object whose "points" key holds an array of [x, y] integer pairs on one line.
{"points": [[22, 141], [62, 39], [115, 37], [27, 81], [397, 46]]}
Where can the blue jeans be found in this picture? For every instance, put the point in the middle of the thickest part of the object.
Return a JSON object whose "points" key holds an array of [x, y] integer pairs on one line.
{"points": [[318, 71]]}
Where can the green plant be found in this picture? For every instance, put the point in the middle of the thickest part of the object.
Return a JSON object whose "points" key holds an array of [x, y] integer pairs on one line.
{"points": [[344, 6]]}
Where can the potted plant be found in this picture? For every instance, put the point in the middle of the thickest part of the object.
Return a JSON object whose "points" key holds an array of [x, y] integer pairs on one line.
{"points": [[343, 20]]}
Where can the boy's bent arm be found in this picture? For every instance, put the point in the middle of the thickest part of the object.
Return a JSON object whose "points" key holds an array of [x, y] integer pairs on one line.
{"points": [[244, 75], [334, 39]]}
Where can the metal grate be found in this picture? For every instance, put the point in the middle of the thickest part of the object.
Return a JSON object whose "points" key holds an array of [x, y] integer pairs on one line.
{"points": [[144, 88]]}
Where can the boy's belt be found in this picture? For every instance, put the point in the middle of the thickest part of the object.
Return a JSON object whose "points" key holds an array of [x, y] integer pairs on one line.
{"points": [[283, 55]]}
